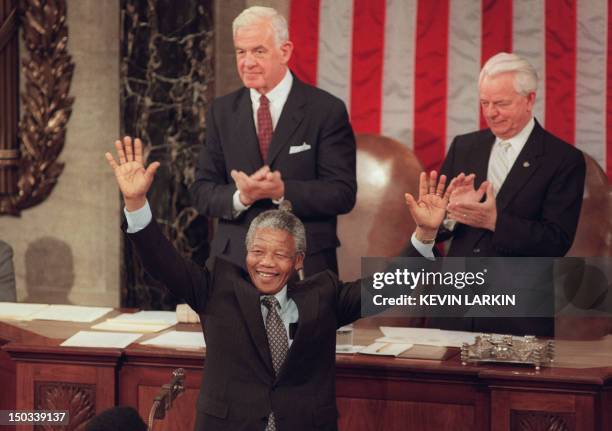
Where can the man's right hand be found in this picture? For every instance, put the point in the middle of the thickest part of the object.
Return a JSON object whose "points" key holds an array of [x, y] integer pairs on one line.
{"points": [[429, 211], [133, 179]]}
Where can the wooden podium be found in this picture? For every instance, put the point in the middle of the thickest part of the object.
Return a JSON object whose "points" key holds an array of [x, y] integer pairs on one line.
{"points": [[373, 393]]}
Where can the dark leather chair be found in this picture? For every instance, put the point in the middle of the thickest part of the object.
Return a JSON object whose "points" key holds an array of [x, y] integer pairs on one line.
{"points": [[380, 224], [593, 238], [594, 234]]}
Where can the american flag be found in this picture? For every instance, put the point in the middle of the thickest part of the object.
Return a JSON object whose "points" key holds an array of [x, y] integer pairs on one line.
{"points": [[408, 69]]}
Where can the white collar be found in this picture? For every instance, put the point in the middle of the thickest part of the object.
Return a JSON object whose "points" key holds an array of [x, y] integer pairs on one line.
{"points": [[281, 297], [280, 92]]}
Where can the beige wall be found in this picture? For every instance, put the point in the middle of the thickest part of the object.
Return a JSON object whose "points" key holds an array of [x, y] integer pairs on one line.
{"points": [[81, 217]]}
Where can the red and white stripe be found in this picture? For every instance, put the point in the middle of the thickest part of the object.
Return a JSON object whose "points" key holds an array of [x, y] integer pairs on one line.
{"points": [[408, 69]]}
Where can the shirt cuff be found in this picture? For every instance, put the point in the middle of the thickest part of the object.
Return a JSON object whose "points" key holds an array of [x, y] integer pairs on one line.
{"points": [[238, 207], [139, 219], [449, 225], [426, 250], [278, 201]]}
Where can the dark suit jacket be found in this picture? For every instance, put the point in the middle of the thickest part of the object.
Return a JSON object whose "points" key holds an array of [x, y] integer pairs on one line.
{"points": [[538, 205], [537, 210], [239, 388], [320, 182]]}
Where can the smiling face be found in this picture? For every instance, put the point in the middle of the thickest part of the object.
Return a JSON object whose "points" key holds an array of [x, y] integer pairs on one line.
{"points": [[272, 259], [261, 63], [506, 111]]}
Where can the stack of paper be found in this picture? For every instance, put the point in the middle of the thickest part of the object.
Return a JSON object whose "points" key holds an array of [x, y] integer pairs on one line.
{"points": [[101, 339], [426, 336], [178, 340], [143, 321], [19, 311], [71, 313], [385, 349]]}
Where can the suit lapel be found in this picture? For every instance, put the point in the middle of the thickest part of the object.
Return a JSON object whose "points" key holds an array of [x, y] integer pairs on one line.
{"points": [[524, 167], [248, 298], [479, 157], [291, 117], [307, 302], [246, 132]]}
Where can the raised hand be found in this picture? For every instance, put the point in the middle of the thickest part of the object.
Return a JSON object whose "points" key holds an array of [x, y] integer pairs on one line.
{"points": [[429, 210], [133, 179]]}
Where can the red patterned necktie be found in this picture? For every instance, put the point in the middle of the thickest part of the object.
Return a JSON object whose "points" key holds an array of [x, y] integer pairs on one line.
{"points": [[264, 126]]}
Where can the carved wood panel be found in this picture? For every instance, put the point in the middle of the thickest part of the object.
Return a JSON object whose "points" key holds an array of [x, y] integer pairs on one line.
{"points": [[29, 169], [521, 420], [77, 398]]}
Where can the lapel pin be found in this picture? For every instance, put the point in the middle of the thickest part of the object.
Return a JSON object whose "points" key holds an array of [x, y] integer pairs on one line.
{"points": [[526, 164]]}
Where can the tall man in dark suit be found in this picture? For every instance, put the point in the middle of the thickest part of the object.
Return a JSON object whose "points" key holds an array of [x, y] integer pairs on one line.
{"points": [[276, 138], [270, 356], [523, 189]]}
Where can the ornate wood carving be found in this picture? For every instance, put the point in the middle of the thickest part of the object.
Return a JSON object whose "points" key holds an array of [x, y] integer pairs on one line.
{"points": [[47, 106], [521, 420], [78, 399]]}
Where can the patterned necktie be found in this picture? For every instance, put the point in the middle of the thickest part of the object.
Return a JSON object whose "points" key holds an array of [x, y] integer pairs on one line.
{"points": [[278, 342], [500, 165], [264, 126]]}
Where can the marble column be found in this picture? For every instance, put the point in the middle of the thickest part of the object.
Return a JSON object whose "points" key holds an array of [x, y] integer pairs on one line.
{"points": [[167, 77]]}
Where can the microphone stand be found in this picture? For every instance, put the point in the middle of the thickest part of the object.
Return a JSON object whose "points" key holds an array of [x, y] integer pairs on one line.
{"points": [[165, 397]]}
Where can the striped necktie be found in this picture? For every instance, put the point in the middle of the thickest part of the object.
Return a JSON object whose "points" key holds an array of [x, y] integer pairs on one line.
{"points": [[278, 342], [500, 165]]}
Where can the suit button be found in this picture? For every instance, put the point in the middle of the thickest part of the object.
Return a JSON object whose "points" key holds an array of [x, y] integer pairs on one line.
{"points": [[476, 250]]}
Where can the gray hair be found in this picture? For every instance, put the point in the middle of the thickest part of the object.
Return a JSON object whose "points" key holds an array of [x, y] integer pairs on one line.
{"points": [[256, 14], [281, 219], [525, 76]]}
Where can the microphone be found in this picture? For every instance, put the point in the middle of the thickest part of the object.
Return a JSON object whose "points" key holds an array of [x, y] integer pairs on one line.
{"points": [[167, 394]]}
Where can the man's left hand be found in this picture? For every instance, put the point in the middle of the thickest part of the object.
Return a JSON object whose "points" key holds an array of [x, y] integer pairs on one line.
{"points": [[476, 214]]}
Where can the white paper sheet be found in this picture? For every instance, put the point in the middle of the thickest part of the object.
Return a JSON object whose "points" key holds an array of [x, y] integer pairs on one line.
{"points": [[101, 339], [71, 313], [385, 349], [178, 339], [426, 336], [351, 350], [115, 325], [143, 321], [148, 317], [19, 310]]}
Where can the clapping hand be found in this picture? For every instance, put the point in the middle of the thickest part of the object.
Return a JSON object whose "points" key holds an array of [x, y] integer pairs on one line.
{"points": [[464, 191], [263, 184], [133, 179], [465, 206]]}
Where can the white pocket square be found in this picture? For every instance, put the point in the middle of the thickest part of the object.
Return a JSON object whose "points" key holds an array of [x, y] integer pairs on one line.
{"points": [[299, 148]]}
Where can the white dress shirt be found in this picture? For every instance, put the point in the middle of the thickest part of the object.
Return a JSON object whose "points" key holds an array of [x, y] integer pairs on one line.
{"points": [[277, 97]]}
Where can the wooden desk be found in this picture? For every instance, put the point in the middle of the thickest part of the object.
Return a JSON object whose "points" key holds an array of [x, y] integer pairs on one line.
{"points": [[373, 393]]}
